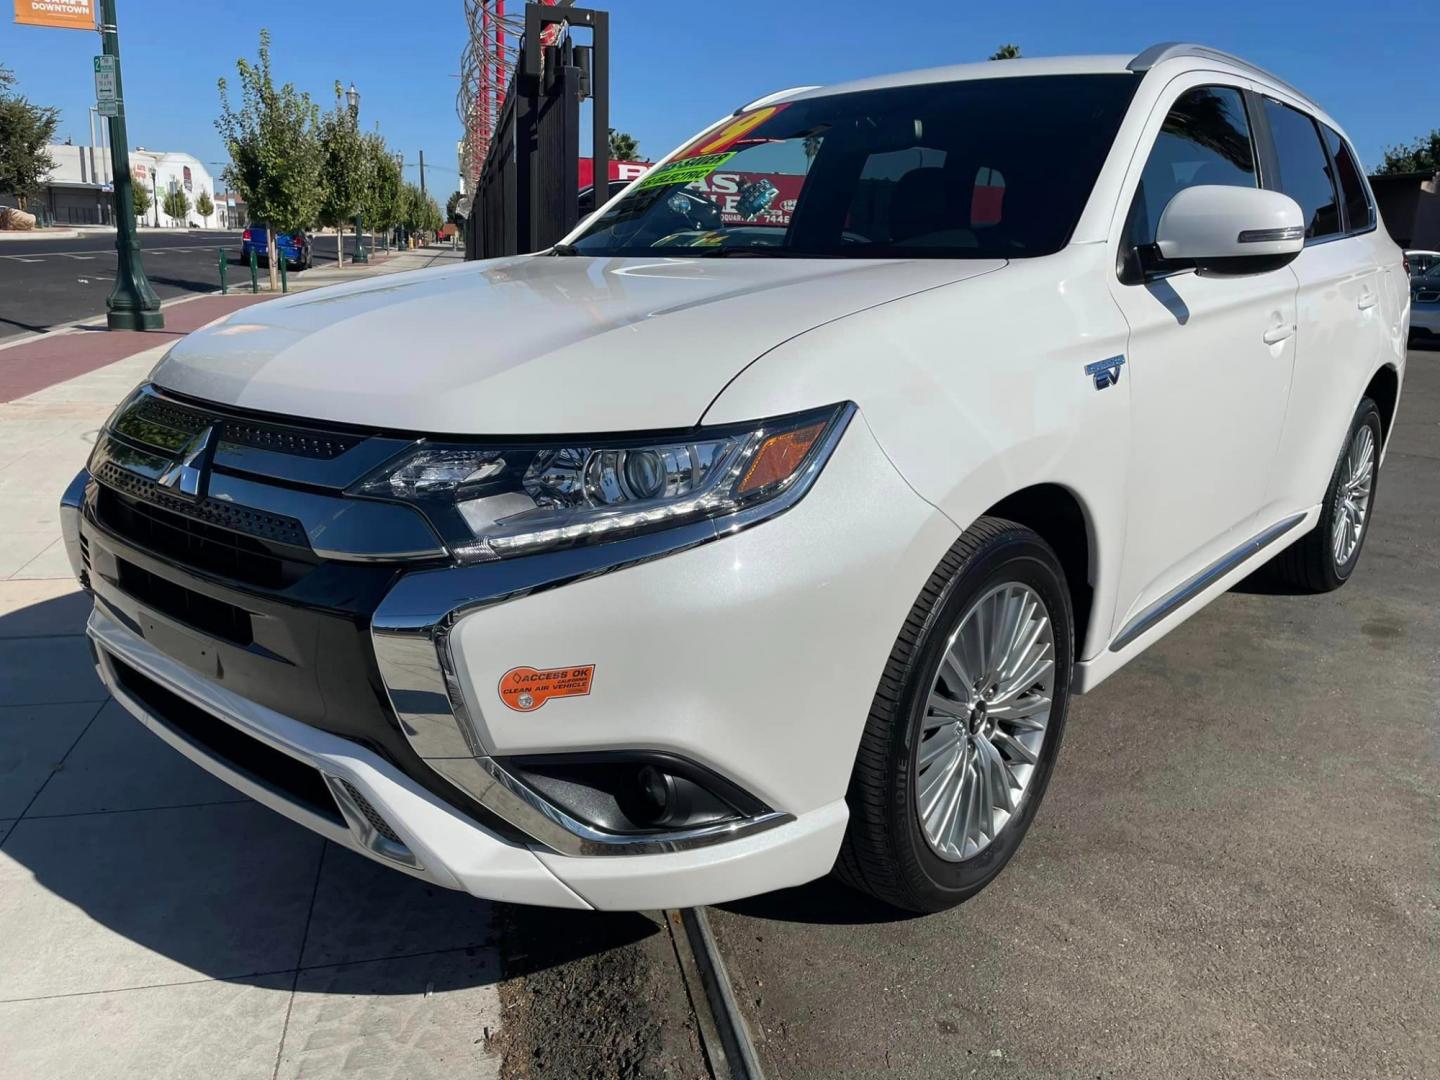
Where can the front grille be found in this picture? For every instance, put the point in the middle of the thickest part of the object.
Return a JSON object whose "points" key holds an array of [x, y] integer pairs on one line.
{"points": [[279, 438], [196, 610], [260, 762], [267, 526], [195, 543]]}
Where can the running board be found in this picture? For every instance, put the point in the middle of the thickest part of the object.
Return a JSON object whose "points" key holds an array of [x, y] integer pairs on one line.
{"points": [[1182, 594]]}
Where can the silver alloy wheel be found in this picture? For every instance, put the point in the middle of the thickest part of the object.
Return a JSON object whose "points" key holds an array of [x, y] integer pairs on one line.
{"points": [[985, 721], [1352, 496]]}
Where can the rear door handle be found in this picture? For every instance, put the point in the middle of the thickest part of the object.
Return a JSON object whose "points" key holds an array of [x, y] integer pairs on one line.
{"points": [[1367, 301], [1277, 334]]}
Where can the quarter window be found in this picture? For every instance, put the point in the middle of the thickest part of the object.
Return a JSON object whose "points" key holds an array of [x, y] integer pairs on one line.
{"points": [[1205, 140], [1304, 168], [1359, 211]]}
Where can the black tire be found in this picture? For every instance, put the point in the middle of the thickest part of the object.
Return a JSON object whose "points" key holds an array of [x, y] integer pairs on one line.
{"points": [[1309, 565], [885, 852]]}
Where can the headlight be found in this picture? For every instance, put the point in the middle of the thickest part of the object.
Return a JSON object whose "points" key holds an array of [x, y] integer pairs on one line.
{"points": [[494, 501]]}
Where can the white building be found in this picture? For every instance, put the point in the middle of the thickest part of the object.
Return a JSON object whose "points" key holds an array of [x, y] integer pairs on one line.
{"points": [[80, 188], [165, 172]]}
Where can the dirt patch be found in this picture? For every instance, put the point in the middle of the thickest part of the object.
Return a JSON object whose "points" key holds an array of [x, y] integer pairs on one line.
{"points": [[595, 996]]}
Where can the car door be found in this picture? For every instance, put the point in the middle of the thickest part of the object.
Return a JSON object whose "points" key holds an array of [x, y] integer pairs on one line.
{"points": [[1209, 359], [1343, 319]]}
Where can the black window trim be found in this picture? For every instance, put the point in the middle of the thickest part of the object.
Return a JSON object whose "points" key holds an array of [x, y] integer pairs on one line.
{"points": [[1272, 172], [1124, 271], [1340, 193]]}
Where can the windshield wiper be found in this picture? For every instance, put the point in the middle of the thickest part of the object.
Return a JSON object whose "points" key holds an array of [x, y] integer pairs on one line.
{"points": [[564, 249]]}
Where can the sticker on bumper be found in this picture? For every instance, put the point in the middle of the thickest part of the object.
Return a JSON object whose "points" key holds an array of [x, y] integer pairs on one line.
{"points": [[525, 689]]}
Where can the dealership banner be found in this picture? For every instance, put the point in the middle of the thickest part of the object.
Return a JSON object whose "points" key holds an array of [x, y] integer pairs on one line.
{"points": [[66, 14]]}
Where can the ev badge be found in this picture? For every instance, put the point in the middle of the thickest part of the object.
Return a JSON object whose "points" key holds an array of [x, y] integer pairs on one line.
{"points": [[1105, 372], [189, 474]]}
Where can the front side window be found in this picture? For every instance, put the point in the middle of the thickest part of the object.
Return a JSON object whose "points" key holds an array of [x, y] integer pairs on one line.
{"points": [[983, 168], [1304, 168], [1359, 211], [1205, 140]]}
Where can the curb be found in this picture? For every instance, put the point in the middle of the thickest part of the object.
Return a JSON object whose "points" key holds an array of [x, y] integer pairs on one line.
{"points": [[729, 1050]]}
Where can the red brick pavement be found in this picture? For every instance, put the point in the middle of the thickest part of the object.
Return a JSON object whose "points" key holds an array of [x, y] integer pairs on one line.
{"points": [[53, 358]]}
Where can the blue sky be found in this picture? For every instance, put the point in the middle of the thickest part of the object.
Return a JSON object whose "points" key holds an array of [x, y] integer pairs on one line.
{"points": [[677, 66]]}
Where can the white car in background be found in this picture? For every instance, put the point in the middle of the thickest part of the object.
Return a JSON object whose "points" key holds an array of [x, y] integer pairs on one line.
{"points": [[687, 561]]}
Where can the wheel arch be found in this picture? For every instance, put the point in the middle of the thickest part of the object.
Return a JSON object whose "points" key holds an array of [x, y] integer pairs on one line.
{"points": [[1060, 518], [1384, 390]]}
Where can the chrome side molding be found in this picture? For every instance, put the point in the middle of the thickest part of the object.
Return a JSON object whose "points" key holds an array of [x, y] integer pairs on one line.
{"points": [[1183, 593]]}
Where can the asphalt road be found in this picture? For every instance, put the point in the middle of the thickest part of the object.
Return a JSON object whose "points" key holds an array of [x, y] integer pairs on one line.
{"points": [[49, 283], [1235, 873]]}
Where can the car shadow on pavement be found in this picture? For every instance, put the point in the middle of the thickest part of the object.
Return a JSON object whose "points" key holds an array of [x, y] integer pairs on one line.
{"points": [[825, 901], [123, 864]]}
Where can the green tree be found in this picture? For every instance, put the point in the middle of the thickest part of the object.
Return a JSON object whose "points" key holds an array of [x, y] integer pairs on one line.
{"points": [[275, 154], [204, 206], [420, 213], [342, 172], [140, 191], [450, 205], [25, 131], [1005, 52], [1422, 155], [177, 205], [623, 146], [384, 185]]}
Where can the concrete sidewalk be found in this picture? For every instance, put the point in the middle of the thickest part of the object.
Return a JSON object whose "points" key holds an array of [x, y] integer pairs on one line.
{"points": [[153, 922]]}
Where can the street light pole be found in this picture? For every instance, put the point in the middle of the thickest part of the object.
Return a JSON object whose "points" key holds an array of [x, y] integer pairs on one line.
{"points": [[352, 96], [132, 304]]}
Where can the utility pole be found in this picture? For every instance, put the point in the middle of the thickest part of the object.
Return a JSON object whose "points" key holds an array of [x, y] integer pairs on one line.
{"points": [[132, 304], [422, 172]]}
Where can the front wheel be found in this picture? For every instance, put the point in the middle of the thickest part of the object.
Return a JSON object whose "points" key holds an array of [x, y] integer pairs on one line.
{"points": [[966, 724], [1324, 559]]}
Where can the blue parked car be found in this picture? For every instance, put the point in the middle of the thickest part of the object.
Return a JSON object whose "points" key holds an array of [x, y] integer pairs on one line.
{"points": [[294, 248]]}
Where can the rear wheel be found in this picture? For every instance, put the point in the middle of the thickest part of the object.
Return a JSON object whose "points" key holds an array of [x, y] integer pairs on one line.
{"points": [[966, 724], [1324, 559]]}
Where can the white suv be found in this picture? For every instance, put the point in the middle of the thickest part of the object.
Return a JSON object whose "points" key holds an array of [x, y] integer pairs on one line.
{"points": [[767, 524]]}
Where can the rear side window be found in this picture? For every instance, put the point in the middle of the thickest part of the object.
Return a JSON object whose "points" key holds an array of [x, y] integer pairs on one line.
{"points": [[1304, 169], [1359, 212], [1205, 140]]}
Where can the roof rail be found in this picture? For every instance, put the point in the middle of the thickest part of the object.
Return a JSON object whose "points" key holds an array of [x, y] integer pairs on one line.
{"points": [[773, 97], [1169, 50]]}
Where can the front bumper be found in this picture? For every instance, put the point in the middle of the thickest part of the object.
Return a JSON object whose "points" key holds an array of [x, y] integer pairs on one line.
{"points": [[755, 656]]}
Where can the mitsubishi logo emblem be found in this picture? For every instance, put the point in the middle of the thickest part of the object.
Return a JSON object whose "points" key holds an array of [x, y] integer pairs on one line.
{"points": [[188, 475]]}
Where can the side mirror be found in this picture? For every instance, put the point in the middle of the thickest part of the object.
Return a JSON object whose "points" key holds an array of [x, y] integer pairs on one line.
{"points": [[1228, 230]]}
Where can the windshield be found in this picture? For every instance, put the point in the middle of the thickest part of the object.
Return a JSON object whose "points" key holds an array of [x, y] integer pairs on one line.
{"points": [[975, 169]]}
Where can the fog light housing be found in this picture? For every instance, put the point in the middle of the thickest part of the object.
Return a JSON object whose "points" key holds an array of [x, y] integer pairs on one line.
{"points": [[636, 792]]}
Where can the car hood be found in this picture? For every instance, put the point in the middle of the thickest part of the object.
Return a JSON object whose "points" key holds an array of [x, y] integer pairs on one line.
{"points": [[532, 344]]}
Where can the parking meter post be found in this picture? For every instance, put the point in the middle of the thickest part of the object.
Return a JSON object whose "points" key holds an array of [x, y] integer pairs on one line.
{"points": [[254, 273], [224, 264]]}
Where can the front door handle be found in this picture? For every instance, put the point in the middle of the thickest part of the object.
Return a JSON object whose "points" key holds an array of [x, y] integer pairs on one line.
{"points": [[1277, 334], [1367, 300]]}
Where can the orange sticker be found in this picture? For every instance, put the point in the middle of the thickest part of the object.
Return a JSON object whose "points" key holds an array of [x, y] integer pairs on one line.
{"points": [[525, 689]]}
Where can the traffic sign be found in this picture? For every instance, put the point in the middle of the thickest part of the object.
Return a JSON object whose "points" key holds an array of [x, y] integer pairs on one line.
{"points": [[109, 107], [105, 89]]}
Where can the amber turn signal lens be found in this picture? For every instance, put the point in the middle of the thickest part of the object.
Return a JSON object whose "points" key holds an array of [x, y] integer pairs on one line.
{"points": [[778, 457]]}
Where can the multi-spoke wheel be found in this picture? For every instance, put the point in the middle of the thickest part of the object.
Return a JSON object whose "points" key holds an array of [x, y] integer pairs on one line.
{"points": [[985, 720], [1352, 496], [1326, 557], [966, 724]]}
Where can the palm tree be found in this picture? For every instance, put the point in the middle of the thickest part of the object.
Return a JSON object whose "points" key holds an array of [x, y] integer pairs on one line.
{"points": [[623, 146]]}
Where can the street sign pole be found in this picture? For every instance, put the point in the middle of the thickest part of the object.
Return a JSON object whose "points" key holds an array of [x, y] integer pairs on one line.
{"points": [[133, 304]]}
